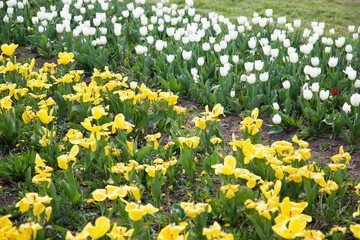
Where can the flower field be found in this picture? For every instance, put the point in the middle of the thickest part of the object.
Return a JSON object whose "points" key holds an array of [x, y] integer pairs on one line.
{"points": [[95, 145]]}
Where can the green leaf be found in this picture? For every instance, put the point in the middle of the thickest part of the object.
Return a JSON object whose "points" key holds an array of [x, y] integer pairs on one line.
{"points": [[156, 190], [72, 194], [155, 118]]}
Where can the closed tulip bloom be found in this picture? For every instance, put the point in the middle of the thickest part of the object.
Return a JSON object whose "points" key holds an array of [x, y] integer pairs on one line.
{"points": [[286, 84], [307, 94], [294, 57], [252, 43], [276, 119], [355, 99], [340, 42], [251, 79], [259, 65], [186, 54], [315, 61], [249, 66], [8, 50], [333, 61], [357, 84], [170, 58], [44, 117], [264, 76], [324, 95]]}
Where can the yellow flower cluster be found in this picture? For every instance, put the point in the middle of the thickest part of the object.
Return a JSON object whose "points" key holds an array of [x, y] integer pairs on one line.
{"points": [[208, 116], [25, 231]]}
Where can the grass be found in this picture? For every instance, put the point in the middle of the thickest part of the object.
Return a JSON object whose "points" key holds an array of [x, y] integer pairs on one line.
{"points": [[336, 14]]}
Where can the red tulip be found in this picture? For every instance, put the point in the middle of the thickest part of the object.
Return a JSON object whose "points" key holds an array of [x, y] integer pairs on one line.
{"points": [[334, 91]]}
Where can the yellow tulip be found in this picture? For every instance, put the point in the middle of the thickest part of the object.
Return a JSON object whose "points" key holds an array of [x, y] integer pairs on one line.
{"points": [[98, 112], [29, 229], [121, 124], [230, 190], [338, 229], [291, 229], [227, 168], [102, 225], [200, 122], [35, 200], [355, 229], [120, 233], [45, 118], [341, 156], [137, 211], [80, 236], [171, 232], [192, 209], [63, 160], [313, 235], [213, 231], [8, 49], [65, 58]]}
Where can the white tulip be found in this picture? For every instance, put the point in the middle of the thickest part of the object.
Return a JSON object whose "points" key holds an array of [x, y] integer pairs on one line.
{"points": [[274, 52], [340, 42], [307, 94], [294, 57], [355, 99], [276, 119], [259, 65], [333, 61], [235, 59], [206, 46], [324, 95], [315, 87], [217, 48], [224, 59], [297, 23], [348, 48], [224, 71], [249, 66], [251, 78], [286, 84], [352, 74], [327, 50], [346, 107], [243, 77], [264, 76], [315, 61], [357, 84], [281, 20], [186, 55], [170, 58], [201, 61], [252, 43], [268, 12], [232, 94], [276, 106], [315, 71], [351, 28]]}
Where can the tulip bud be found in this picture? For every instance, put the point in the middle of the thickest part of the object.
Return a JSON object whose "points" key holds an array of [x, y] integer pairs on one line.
{"points": [[286, 84], [276, 119], [276, 106]]}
